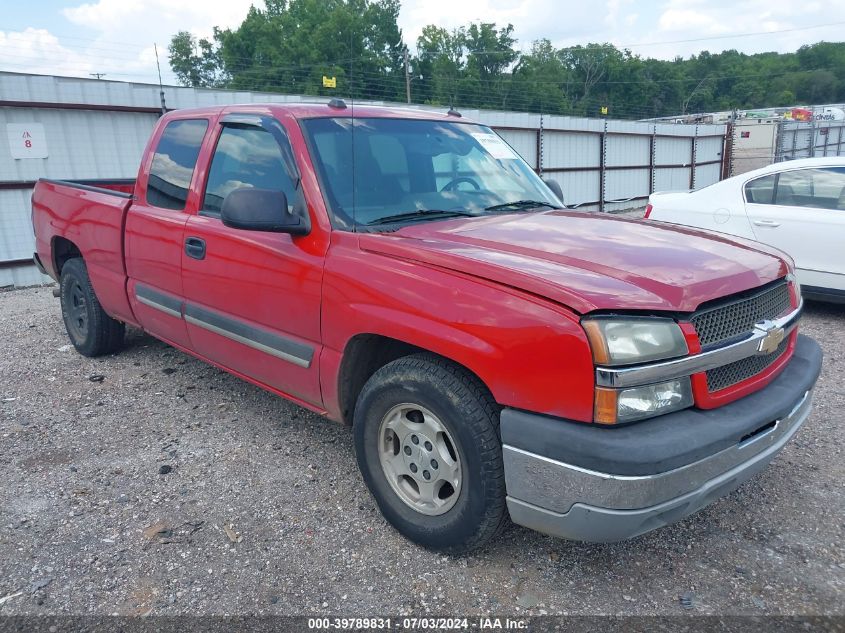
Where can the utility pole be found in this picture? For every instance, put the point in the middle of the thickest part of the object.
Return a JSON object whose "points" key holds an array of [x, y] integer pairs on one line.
{"points": [[97, 75], [407, 78]]}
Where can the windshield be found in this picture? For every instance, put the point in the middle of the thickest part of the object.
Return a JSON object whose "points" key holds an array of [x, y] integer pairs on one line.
{"points": [[418, 171]]}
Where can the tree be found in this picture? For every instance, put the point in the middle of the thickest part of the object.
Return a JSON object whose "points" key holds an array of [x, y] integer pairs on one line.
{"points": [[441, 62], [195, 62], [540, 81], [589, 65], [289, 46], [489, 53]]}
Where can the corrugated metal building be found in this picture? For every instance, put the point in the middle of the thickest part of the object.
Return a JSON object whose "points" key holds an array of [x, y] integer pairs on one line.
{"points": [[98, 129]]}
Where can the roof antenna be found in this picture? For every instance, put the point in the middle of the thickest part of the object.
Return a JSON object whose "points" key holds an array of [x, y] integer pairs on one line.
{"points": [[352, 123], [160, 87], [452, 111]]}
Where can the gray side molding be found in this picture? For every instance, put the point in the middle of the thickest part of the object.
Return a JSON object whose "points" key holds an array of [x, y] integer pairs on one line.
{"points": [[158, 300], [255, 337]]}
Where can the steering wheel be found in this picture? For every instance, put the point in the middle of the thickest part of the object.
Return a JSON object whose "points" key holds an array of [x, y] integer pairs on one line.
{"points": [[450, 186]]}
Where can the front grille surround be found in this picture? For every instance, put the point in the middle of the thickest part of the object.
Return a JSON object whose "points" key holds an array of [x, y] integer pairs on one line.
{"points": [[738, 371], [735, 318]]}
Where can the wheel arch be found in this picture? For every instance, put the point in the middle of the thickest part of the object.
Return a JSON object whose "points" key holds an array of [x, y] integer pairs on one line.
{"points": [[61, 250], [365, 354]]}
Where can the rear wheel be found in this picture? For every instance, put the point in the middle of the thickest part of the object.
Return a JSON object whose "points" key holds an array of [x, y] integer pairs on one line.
{"points": [[426, 440], [91, 330]]}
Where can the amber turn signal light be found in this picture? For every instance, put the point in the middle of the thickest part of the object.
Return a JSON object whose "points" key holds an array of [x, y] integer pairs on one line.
{"points": [[606, 407], [598, 343]]}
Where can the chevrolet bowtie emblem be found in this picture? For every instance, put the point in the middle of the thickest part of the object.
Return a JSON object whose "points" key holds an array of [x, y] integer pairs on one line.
{"points": [[773, 338]]}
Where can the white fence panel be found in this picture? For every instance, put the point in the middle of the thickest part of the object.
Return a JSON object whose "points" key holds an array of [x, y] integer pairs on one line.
{"points": [[706, 175], [524, 142], [625, 184], [672, 151], [16, 238], [571, 149], [80, 144], [709, 148], [580, 187], [673, 179], [627, 150]]}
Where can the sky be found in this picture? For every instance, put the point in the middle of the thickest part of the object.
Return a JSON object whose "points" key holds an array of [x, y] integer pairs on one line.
{"points": [[117, 37]]}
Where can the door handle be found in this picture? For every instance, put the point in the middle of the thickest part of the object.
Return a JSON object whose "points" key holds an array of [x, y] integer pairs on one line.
{"points": [[195, 248], [770, 223]]}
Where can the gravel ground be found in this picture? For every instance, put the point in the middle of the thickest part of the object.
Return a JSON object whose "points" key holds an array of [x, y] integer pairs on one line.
{"points": [[149, 482]]}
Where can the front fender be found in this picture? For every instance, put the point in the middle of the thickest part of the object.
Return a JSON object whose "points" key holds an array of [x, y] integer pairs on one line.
{"points": [[532, 354]]}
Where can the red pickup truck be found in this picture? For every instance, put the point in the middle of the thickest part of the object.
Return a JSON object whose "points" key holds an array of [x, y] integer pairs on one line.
{"points": [[406, 273]]}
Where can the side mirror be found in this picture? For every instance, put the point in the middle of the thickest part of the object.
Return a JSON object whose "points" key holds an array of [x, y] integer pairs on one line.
{"points": [[261, 210], [554, 185]]}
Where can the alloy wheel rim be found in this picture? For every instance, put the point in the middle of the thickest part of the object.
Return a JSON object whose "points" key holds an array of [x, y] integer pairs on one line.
{"points": [[78, 311], [419, 458]]}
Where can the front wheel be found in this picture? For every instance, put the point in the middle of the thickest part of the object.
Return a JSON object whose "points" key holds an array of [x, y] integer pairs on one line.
{"points": [[427, 444], [91, 330]]}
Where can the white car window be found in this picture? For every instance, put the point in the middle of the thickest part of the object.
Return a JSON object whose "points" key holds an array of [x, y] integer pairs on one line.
{"points": [[794, 188], [814, 188], [829, 188], [761, 190]]}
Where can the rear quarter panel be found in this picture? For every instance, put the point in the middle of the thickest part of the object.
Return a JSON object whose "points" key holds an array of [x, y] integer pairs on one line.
{"points": [[93, 221], [719, 208]]}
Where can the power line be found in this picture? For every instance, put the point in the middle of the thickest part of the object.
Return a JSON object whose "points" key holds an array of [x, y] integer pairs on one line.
{"points": [[733, 36]]}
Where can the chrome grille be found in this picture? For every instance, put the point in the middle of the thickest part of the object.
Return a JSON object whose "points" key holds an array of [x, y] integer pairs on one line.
{"points": [[728, 375], [729, 320]]}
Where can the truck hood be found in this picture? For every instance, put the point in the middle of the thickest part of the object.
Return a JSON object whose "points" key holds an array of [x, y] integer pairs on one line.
{"points": [[588, 261]]}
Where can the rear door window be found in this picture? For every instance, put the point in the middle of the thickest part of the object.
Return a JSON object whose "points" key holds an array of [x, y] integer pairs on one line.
{"points": [[795, 188], [173, 163], [828, 188], [820, 188]]}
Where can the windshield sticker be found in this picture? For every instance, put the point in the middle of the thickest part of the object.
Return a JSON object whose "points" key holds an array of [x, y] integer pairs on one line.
{"points": [[494, 145]]}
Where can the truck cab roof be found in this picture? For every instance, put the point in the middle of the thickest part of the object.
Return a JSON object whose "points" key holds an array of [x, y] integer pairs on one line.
{"points": [[320, 110]]}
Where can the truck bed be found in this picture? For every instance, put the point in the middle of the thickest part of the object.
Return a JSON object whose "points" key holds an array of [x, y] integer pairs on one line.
{"points": [[89, 215]]}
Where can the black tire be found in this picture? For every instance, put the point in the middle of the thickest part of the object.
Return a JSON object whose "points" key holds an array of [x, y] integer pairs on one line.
{"points": [[471, 417], [91, 330]]}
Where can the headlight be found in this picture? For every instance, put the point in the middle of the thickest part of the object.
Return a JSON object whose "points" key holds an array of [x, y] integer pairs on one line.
{"points": [[629, 340], [617, 406]]}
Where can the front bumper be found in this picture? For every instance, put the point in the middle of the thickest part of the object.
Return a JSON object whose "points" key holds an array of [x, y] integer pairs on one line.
{"points": [[587, 483]]}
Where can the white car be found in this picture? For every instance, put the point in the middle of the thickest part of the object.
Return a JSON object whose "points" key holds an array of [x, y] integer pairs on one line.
{"points": [[796, 206]]}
